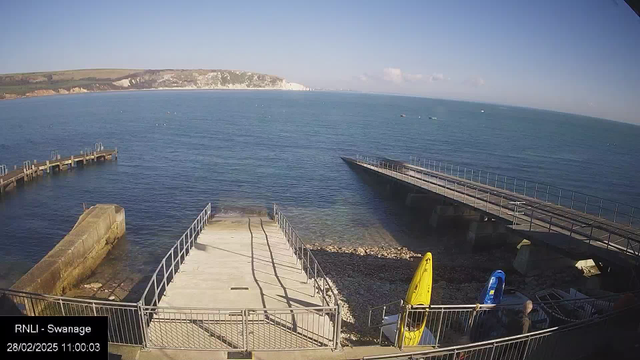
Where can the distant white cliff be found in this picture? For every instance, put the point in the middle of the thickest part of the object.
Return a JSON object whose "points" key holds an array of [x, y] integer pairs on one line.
{"points": [[66, 82]]}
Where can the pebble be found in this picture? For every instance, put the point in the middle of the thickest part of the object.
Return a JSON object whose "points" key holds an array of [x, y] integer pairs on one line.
{"points": [[93, 285]]}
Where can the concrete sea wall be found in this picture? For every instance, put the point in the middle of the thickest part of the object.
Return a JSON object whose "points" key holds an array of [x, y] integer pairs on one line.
{"points": [[78, 253]]}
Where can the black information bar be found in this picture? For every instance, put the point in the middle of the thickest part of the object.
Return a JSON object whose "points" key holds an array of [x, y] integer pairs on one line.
{"points": [[54, 337]]}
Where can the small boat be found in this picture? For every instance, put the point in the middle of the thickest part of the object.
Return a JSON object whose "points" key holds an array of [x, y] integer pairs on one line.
{"points": [[433, 118], [481, 110], [403, 115], [511, 305], [563, 312]]}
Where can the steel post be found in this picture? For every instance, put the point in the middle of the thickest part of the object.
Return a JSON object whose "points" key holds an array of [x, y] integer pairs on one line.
{"points": [[173, 267], [338, 325], [531, 220], [245, 341], [324, 291], [559, 196], [586, 202], [476, 197], [143, 325], [164, 269], [573, 194]]}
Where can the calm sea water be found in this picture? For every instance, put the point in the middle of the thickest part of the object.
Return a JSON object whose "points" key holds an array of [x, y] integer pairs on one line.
{"points": [[179, 150]]}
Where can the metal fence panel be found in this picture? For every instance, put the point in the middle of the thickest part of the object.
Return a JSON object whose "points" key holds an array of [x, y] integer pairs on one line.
{"points": [[124, 318]]}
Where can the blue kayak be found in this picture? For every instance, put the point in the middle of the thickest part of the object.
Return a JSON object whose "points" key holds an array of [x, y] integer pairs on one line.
{"points": [[493, 290]]}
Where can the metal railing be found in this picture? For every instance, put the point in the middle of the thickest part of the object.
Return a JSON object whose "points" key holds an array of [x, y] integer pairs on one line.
{"points": [[171, 262], [125, 326], [571, 341], [522, 215], [241, 329], [448, 325], [616, 212], [153, 326], [309, 264]]}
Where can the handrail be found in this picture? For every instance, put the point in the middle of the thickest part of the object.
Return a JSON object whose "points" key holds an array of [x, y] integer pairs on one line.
{"points": [[238, 309], [310, 264], [124, 317], [130, 323], [313, 270], [538, 188], [533, 208], [576, 228], [437, 313], [187, 240], [64, 298]]}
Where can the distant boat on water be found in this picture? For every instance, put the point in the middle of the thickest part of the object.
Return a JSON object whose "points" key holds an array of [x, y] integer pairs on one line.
{"points": [[402, 115], [433, 118], [481, 110]]}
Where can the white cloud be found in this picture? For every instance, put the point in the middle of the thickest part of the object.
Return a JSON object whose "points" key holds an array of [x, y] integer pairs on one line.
{"points": [[476, 81], [392, 74], [436, 77], [397, 76], [412, 77]]}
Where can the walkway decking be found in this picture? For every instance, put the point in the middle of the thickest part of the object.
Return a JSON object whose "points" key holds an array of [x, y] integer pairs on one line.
{"points": [[241, 263], [240, 287], [573, 232]]}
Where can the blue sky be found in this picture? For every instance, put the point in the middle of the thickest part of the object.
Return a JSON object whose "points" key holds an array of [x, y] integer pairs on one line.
{"points": [[575, 56]]}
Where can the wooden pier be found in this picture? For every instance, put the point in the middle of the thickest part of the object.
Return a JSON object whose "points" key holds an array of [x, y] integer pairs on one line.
{"points": [[9, 179], [243, 283]]}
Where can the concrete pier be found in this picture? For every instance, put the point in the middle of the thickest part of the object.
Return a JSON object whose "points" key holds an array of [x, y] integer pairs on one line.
{"points": [[532, 259], [446, 214], [483, 235], [78, 253], [243, 287], [567, 231]]}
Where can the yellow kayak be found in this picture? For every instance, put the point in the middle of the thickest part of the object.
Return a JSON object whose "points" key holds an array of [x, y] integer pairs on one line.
{"points": [[419, 293]]}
